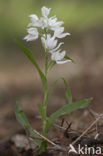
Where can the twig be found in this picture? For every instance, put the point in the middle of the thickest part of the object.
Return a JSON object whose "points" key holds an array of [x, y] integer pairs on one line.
{"points": [[62, 123], [87, 129], [49, 141], [56, 147]]}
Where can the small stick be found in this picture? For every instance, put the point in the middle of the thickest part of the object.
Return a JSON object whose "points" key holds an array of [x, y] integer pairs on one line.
{"points": [[52, 143], [56, 147], [66, 131], [69, 126], [87, 129], [62, 123]]}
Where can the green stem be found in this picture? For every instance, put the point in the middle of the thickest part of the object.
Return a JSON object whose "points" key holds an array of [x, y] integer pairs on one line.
{"points": [[44, 143], [46, 63]]}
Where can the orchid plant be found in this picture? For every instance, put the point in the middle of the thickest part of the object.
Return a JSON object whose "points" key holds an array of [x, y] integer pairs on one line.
{"points": [[50, 30]]}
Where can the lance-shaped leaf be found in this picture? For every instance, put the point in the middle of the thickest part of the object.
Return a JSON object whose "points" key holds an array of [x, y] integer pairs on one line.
{"points": [[20, 116], [67, 109], [68, 92], [28, 53]]}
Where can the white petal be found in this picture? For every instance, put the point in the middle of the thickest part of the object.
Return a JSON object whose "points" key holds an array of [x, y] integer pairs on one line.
{"points": [[30, 38], [32, 34], [45, 11], [33, 31], [63, 35], [43, 22], [50, 42], [52, 21], [33, 17], [61, 55], [34, 21], [57, 56], [63, 62], [56, 25], [54, 50], [59, 32], [54, 55]]}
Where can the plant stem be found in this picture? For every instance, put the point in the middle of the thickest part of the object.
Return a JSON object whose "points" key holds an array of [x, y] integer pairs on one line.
{"points": [[44, 142], [46, 63]]}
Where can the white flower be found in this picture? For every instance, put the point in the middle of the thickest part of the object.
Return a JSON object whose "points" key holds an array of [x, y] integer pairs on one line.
{"points": [[55, 49], [32, 34], [59, 32], [45, 11], [34, 21], [49, 42], [53, 24], [58, 56], [43, 22]]}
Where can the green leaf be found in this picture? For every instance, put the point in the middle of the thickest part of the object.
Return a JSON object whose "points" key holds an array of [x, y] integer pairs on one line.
{"points": [[29, 55], [68, 92], [67, 109], [68, 58], [20, 116]]}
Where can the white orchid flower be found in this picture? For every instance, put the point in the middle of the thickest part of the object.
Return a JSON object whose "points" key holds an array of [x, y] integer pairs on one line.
{"points": [[58, 56], [49, 42], [45, 11], [59, 32], [53, 23], [56, 25], [35, 22], [32, 34], [43, 22], [55, 49]]}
